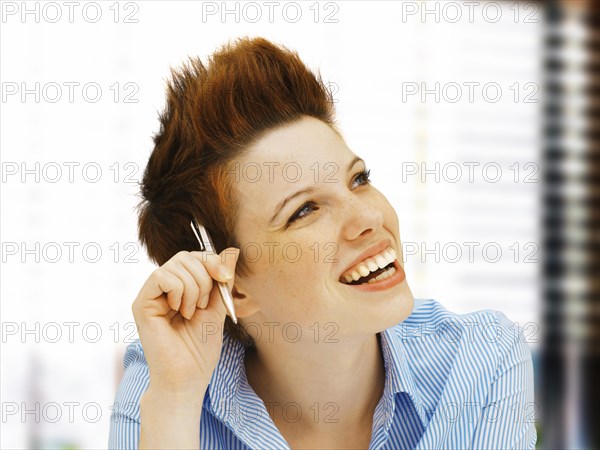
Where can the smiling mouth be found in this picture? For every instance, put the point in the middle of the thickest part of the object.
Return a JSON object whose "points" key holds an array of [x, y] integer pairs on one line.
{"points": [[372, 269], [373, 277]]}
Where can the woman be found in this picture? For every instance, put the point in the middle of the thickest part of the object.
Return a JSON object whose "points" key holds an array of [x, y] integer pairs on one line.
{"points": [[325, 354]]}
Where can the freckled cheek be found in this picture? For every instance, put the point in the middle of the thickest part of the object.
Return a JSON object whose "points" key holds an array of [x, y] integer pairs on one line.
{"points": [[391, 219], [389, 214], [291, 290], [301, 281], [391, 222], [299, 271]]}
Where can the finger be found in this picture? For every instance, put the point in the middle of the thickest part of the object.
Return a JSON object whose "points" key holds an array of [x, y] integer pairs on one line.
{"points": [[220, 267], [215, 302], [201, 277], [231, 256], [214, 313], [228, 260], [191, 290], [165, 282]]}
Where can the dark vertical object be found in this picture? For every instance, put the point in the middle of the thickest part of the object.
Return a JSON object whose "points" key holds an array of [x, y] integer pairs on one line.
{"points": [[567, 394], [550, 390], [591, 371]]}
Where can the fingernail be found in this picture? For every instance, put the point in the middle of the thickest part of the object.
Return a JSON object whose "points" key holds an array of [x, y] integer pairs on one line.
{"points": [[225, 273], [204, 302]]}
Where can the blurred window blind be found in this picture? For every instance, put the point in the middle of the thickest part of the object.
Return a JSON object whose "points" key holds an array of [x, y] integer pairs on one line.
{"points": [[474, 177], [569, 392]]}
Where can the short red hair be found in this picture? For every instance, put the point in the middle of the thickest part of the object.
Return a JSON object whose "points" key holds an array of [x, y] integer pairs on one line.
{"points": [[213, 113]]}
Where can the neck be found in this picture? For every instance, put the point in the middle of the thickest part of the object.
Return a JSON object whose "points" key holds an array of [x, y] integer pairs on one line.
{"points": [[338, 383]]}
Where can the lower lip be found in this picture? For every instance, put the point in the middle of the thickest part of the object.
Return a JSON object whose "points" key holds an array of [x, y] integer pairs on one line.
{"points": [[398, 277]]}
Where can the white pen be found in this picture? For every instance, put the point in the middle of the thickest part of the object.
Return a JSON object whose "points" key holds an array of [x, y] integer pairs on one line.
{"points": [[207, 246]]}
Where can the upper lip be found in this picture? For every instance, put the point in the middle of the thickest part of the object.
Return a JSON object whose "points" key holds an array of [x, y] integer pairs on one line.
{"points": [[373, 250]]}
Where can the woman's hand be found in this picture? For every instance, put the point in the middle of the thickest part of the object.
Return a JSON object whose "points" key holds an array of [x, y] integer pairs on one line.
{"points": [[180, 316]]}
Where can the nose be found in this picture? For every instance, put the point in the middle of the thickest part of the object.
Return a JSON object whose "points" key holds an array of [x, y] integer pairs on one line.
{"points": [[362, 218]]}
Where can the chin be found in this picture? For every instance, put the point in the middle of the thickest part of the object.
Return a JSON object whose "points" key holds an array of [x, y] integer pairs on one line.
{"points": [[398, 311], [387, 311]]}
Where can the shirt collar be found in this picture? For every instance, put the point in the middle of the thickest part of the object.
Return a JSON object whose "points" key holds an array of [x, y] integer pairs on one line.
{"points": [[224, 382], [232, 400], [398, 375]]}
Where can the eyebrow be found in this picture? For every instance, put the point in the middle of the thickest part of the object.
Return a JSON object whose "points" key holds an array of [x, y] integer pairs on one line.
{"points": [[307, 190]]}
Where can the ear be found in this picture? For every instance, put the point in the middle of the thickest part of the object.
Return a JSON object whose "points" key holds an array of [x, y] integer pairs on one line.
{"points": [[244, 305]]}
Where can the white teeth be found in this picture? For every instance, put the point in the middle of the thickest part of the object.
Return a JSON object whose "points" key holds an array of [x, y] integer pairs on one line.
{"points": [[381, 261], [388, 273], [370, 265]]}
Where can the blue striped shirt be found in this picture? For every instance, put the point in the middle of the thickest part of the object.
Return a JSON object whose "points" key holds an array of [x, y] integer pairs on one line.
{"points": [[451, 381]]}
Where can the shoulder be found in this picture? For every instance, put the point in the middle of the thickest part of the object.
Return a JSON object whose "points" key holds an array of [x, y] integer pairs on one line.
{"points": [[430, 310], [432, 316], [134, 353], [133, 384], [487, 332]]}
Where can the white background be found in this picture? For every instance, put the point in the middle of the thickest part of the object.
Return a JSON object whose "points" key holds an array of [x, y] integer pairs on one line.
{"points": [[371, 53]]}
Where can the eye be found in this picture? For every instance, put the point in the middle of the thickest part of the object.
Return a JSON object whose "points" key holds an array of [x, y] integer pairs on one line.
{"points": [[308, 206], [364, 176]]}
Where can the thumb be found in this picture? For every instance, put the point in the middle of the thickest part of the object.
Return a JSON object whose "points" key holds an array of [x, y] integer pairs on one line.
{"points": [[229, 259]]}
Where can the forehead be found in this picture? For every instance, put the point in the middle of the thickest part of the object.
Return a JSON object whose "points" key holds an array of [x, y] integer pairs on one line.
{"points": [[304, 141], [292, 157]]}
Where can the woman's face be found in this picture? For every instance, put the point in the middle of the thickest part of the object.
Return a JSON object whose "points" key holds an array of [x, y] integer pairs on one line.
{"points": [[299, 251]]}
